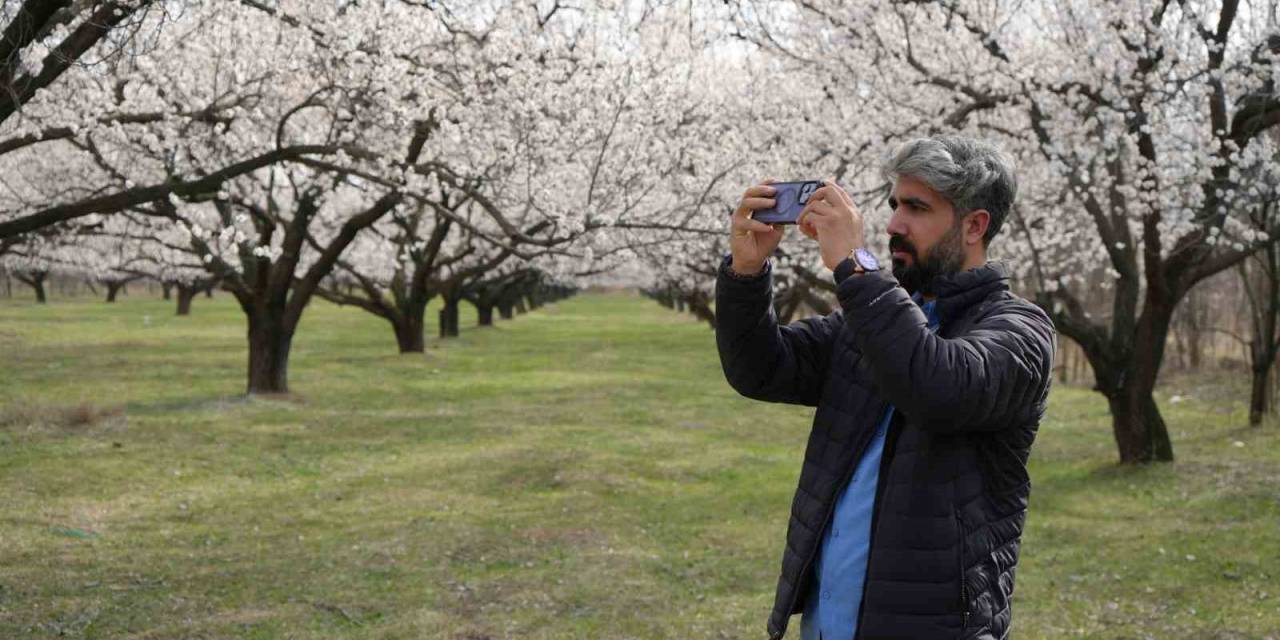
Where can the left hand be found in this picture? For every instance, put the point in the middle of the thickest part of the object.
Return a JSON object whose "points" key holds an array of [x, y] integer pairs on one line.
{"points": [[831, 218]]}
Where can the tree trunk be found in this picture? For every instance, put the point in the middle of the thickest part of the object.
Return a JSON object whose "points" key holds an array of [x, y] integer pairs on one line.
{"points": [[408, 318], [701, 307], [1063, 360], [113, 289], [185, 295], [208, 291], [504, 311], [1195, 349], [1258, 396], [1140, 431], [1128, 381], [520, 308], [485, 313], [166, 288], [410, 329], [1262, 358], [269, 344], [36, 282], [786, 305], [1264, 314], [1272, 389], [1195, 314], [449, 318]]}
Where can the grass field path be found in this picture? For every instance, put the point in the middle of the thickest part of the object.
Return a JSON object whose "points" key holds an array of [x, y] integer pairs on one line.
{"points": [[582, 471]]}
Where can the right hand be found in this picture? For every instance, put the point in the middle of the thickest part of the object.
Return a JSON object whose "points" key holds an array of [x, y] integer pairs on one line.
{"points": [[752, 241]]}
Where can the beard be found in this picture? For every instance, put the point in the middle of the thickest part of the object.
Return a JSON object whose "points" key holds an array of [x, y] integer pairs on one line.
{"points": [[946, 257]]}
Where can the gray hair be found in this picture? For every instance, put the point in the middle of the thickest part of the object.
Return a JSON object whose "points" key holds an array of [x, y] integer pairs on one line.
{"points": [[969, 173]]}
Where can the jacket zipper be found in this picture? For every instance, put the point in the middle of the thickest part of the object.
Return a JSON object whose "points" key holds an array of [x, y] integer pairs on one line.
{"points": [[862, 446], [964, 590], [889, 439]]}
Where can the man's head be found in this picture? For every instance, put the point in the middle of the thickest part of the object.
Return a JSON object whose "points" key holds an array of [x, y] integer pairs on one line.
{"points": [[950, 196]]}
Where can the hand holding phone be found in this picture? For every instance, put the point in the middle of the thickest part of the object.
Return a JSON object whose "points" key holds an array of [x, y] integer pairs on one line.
{"points": [[789, 201], [751, 240]]}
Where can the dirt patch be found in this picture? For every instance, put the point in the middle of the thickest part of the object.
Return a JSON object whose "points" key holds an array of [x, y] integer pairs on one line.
{"points": [[1232, 476], [577, 537], [70, 418], [476, 601]]}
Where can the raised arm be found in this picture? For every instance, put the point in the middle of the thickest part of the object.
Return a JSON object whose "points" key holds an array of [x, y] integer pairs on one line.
{"points": [[987, 379], [762, 359]]}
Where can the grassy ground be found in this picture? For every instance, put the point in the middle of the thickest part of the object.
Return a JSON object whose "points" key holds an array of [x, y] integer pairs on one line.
{"points": [[580, 472]]}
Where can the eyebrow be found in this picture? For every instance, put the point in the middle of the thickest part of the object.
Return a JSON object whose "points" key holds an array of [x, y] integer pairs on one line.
{"points": [[910, 200]]}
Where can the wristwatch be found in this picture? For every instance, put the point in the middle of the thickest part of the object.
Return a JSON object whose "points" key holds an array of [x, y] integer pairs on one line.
{"points": [[859, 261], [865, 261]]}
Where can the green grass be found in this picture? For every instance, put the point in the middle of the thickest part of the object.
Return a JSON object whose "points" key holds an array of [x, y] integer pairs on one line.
{"points": [[580, 472]]}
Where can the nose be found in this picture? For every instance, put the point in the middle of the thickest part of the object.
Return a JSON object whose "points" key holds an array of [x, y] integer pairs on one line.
{"points": [[897, 226]]}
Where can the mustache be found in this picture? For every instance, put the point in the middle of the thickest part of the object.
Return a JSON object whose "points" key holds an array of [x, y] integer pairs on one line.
{"points": [[898, 243]]}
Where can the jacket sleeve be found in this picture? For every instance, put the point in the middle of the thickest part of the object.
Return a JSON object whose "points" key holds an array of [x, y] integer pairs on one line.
{"points": [[988, 379], [762, 360]]}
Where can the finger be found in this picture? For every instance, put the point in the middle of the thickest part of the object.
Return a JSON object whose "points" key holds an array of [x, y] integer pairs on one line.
{"points": [[751, 200], [806, 227], [808, 230], [818, 214], [821, 208], [755, 203], [747, 224], [840, 192], [830, 192]]}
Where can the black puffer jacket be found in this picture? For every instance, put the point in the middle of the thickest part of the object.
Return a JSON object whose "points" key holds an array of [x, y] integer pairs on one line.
{"points": [[952, 495]]}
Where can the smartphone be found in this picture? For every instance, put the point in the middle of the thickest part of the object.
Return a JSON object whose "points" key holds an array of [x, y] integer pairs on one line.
{"points": [[789, 201]]}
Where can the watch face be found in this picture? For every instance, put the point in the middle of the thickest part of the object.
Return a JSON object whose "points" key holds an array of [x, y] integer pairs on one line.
{"points": [[866, 260]]}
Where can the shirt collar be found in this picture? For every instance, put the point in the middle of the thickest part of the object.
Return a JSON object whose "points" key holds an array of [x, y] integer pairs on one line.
{"points": [[928, 307]]}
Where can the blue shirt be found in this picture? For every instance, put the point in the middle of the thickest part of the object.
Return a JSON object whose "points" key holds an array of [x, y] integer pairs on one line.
{"points": [[831, 610]]}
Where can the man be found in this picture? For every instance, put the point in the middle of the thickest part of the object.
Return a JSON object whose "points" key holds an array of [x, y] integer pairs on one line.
{"points": [[913, 490]]}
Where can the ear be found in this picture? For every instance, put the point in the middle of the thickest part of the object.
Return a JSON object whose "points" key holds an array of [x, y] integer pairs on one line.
{"points": [[975, 225]]}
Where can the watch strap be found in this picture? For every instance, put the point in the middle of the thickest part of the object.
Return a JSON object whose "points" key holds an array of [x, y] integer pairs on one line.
{"points": [[846, 268]]}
